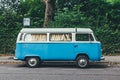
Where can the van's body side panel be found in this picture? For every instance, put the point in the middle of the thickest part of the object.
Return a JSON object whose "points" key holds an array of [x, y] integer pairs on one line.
{"points": [[46, 51], [92, 49], [58, 50]]}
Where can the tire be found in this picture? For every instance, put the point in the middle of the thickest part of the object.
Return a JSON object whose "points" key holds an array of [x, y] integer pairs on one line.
{"points": [[82, 62], [32, 62]]}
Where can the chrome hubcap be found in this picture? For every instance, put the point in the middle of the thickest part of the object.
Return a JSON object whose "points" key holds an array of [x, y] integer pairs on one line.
{"points": [[82, 62], [32, 62]]}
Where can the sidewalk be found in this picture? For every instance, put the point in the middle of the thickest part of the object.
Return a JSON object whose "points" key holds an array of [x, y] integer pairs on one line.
{"points": [[115, 59], [8, 59], [108, 59]]}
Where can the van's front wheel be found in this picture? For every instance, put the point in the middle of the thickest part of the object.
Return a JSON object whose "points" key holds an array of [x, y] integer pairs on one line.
{"points": [[82, 61], [32, 62]]}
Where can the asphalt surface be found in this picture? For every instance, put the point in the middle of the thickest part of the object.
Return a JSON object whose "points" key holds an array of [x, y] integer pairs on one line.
{"points": [[17, 70], [58, 72]]}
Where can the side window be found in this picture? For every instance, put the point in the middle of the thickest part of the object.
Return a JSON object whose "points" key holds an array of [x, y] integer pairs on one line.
{"points": [[21, 37], [60, 37], [35, 37], [84, 37]]}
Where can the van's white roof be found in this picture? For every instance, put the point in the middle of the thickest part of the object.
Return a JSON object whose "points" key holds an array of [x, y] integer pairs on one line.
{"points": [[56, 30]]}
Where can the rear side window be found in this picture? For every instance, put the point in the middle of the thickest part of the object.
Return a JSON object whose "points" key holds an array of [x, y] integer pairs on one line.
{"points": [[84, 37], [35, 37], [60, 37]]}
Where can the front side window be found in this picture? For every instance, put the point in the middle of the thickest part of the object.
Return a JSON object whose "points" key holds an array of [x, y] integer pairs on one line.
{"points": [[60, 37], [35, 37], [84, 37]]}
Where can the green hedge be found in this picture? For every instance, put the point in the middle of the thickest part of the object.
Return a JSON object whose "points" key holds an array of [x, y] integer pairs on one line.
{"points": [[101, 16]]}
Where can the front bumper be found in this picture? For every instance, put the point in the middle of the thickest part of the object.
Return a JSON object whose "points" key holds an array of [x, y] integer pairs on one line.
{"points": [[102, 58], [15, 58]]}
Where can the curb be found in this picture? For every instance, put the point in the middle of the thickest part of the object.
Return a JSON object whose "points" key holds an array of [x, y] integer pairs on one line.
{"points": [[10, 62]]}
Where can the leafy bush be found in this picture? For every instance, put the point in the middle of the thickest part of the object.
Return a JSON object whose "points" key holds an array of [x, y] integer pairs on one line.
{"points": [[101, 16]]}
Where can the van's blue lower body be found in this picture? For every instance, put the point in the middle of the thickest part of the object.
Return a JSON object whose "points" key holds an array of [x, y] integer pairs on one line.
{"points": [[58, 51]]}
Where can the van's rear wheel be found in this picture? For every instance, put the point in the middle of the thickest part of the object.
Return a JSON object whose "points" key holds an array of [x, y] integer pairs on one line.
{"points": [[32, 62], [82, 62]]}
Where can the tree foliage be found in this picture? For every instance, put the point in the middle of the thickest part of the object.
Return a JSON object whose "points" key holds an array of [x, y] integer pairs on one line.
{"points": [[103, 16], [99, 15]]}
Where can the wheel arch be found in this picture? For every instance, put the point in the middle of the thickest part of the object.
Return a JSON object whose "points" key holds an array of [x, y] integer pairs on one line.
{"points": [[32, 57], [82, 54]]}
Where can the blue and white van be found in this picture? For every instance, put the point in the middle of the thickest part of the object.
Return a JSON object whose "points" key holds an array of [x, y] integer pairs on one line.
{"points": [[37, 45]]}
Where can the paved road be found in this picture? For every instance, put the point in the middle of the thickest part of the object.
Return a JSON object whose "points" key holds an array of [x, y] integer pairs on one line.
{"points": [[58, 72]]}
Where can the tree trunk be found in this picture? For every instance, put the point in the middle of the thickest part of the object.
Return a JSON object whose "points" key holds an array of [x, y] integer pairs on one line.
{"points": [[49, 11]]}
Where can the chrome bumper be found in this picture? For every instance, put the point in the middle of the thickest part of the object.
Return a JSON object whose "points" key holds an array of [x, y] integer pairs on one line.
{"points": [[15, 58], [102, 58]]}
